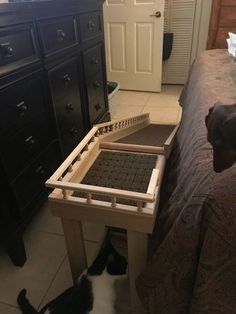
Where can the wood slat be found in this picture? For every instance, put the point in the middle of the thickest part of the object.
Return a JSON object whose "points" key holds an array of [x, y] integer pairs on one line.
{"points": [[78, 187]]}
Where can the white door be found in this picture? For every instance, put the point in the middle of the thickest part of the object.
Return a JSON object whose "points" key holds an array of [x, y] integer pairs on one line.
{"points": [[134, 39]]}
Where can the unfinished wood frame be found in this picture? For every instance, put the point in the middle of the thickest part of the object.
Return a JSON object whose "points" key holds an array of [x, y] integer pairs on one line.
{"points": [[137, 219]]}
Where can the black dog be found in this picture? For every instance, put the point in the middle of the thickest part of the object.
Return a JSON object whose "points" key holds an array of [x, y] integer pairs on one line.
{"points": [[221, 133]]}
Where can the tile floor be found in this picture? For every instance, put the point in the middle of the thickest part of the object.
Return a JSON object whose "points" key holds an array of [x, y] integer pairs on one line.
{"points": [[46, 272]]}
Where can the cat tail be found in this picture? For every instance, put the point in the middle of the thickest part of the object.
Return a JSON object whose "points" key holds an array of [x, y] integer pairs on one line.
{"points": [[24, 304]]}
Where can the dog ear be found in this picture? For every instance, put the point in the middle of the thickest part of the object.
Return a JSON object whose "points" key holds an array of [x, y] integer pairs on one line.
{"points": [[229, 131], [221, 133], [214, 108]]}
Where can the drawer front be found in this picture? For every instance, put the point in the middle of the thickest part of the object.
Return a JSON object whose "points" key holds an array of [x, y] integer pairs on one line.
{"points": [[57, 34], [20, 149], [64, 80], [92, 60], [90, 25], [95, 86], [96, 108], [70, 123], [67, 105], [32, 181], [21, 103], [17, 45], [70, 136]]}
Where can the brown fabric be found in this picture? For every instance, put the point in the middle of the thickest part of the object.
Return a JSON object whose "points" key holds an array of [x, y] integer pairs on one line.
{"points": [[193, 265], [152, 135]]}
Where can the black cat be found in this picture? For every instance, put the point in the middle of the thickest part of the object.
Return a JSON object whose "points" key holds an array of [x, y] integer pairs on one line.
{"points": [[93, 292]]}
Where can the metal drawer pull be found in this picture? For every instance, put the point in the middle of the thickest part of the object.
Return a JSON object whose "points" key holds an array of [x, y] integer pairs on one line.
{"points": [[30, 140], [97, 107], [91, 25], [66, 78], [96, 84], [73, 131], [40, 170], [69, 107], [6, 50], [61, 35], [157, 14], [94, 61], [21, 107]]}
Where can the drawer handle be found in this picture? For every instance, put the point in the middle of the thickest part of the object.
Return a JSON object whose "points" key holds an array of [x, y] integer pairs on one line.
{"points": [[97, 107], [40, 171], [61, 35], [67, 79], [73, 131], [6, 50], [30, 140], [96, 84], [69, 107], [94, 61], [21, 107], [91, 25]]}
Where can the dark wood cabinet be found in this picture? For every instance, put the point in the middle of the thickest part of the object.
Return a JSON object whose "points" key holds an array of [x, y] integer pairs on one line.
{"points": [[52, 90], [222, 22]]}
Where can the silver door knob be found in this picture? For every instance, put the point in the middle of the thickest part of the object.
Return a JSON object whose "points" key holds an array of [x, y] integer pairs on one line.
{"points": [[157, 14]]}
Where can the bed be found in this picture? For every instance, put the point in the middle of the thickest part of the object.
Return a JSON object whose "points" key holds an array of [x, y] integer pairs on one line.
{"points": [[192, 262]]}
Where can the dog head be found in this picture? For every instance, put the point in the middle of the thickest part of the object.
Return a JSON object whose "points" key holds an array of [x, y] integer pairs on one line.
{"points": [[221, 133]]}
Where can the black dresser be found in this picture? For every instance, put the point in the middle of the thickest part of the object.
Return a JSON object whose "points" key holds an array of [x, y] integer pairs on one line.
{"points": [[53, 88]]}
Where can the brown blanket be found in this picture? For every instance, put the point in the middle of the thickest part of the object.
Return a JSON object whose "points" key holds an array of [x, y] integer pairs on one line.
{"points": [[193, 265]]}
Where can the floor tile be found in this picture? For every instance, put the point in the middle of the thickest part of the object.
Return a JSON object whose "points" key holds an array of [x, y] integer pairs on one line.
{"points": [[130, 98], [160, 100], [124, 111], [129, 103], [7, 309], [45, 253], [167, 98], [167, 115], [63, 279], [45, 221], [171, 89]]}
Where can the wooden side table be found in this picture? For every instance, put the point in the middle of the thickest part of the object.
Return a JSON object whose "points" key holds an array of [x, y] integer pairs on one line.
{"points": [[76, 201]]}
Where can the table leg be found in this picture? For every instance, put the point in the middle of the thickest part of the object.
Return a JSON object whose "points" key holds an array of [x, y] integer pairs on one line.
{"points": [[137, 257], [75, 246]]}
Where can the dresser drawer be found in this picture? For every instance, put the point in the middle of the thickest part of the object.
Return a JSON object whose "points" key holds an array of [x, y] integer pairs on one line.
{"points": [[17, 47], [95, 86], [92, 60], [70, 123], [20, 149], [57, 34], [21, 103], [96, 108], [70, 136], [90, 25], [32, 181], [64, 80]]}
